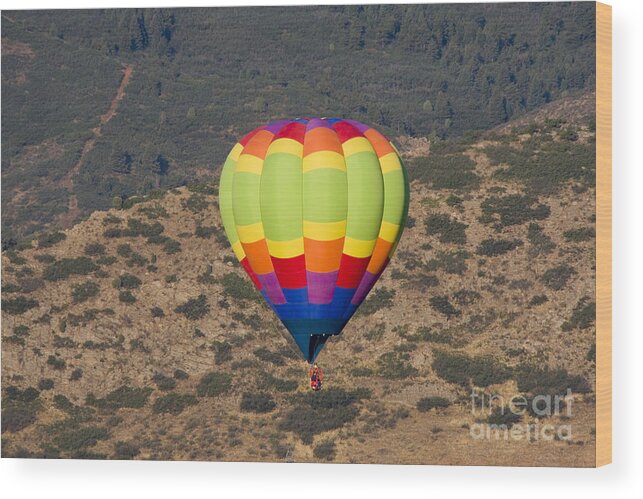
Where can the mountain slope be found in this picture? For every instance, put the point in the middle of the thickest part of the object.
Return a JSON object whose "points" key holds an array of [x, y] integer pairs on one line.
{"points": [[135, 335]]}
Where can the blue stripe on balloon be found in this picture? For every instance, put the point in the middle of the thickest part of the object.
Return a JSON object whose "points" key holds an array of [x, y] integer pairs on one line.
{"points": [[298, 308], [292, 311], [349, 311], [296, 295]]}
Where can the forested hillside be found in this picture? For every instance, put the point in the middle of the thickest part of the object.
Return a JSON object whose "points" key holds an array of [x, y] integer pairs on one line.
{"points": [[136, 335], [110, 103]]}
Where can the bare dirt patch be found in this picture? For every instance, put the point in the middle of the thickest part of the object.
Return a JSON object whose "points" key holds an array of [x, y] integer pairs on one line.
{"points": [[16, 48]]}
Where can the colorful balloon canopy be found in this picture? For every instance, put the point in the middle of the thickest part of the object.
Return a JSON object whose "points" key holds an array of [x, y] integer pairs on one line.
{"points": [[314, 209]]}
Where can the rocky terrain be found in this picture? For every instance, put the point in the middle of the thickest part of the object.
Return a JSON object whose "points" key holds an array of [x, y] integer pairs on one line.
{"points": [[135, 334]]}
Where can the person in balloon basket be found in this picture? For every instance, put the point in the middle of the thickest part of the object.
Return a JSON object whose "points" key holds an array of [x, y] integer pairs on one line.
{"points": [[315, 378]]}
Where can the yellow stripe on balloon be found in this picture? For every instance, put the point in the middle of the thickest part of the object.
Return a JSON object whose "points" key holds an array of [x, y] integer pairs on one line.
{"points": [[249, 163], [250, 233], [356, 145], [358, 248], [328, 231], [286, 249], [389, 231], [235, 152], [390, 162], [286, 145], [238, 250], [324, 159]]}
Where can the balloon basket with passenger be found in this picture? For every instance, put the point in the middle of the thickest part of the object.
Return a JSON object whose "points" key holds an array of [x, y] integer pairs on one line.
{"points": [[315, 378]]}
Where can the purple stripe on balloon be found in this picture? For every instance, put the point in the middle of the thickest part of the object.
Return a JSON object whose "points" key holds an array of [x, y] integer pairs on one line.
{"points": [[270, 284], [276, 126], [317, 123], [367, 282], [321, 286], [360, 126]]}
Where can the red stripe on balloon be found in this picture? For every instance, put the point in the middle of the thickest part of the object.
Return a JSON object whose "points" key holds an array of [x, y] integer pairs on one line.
{"points": [[346, 131], [291, 272], [295, 131], [351, 270]]}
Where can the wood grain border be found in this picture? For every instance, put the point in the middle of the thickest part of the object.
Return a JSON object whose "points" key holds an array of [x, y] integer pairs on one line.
{"points": [[603, 234]]}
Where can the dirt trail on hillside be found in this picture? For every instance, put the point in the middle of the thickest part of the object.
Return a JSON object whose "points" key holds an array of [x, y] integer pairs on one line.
{"points": [[127, 74], [67, 219]]}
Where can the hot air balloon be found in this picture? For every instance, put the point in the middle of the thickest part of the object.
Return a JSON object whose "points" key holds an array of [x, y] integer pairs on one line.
{"points": [[314, 209]]}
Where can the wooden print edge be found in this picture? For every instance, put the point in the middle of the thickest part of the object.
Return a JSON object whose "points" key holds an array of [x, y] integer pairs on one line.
{"points": [[603, 234]]}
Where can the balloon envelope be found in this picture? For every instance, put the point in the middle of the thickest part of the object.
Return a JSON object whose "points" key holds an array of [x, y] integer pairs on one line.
{"points": [[314, 209]]}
